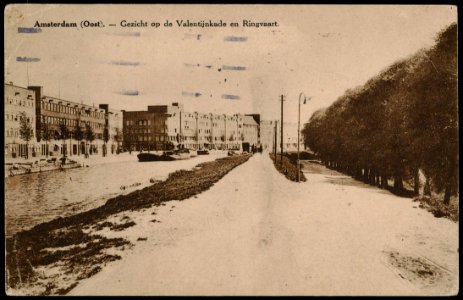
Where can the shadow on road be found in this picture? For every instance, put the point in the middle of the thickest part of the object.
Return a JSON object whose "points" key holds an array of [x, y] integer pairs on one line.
{"points": [[335, 177]]}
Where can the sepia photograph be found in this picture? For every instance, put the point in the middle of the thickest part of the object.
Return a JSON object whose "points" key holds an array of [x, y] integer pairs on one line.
{"points": [[231, 150]]}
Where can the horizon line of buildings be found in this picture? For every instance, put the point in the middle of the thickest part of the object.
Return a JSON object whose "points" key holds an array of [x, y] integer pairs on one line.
{"points": [[160, 127]]}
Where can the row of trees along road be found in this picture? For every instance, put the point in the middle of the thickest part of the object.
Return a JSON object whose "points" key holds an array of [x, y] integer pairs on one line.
{"points": [[399, 123], [26, 133], [64, 133]]}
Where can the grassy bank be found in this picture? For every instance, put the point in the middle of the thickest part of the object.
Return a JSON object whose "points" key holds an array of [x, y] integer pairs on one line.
{"points": [[50, 258], [288, 167], [438, 208], [433, 204]]}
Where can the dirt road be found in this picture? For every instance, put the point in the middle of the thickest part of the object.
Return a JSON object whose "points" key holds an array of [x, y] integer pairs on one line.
{"points": [[256, 233]]}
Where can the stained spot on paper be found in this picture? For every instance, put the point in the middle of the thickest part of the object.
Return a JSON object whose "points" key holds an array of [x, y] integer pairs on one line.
{"points": [[230, 97], [27, 59], [191, 94], [235, 38], [234, 68], [29, 30], [193, 36], [125, 63], [126, 33], [128, 93]]}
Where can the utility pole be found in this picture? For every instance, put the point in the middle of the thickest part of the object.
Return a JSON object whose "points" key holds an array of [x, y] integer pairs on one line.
{"points": [[298, 136], [275, 143], [197, 132], [212, 132], [237, 132], [180, 138], [225, 118], [281, 138]]}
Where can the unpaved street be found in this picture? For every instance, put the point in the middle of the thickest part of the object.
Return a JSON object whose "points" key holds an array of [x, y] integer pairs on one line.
{"points": [[256, 233]]}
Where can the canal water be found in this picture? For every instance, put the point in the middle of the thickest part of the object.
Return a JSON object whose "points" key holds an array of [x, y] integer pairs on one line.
{"points": [[39, 197]]}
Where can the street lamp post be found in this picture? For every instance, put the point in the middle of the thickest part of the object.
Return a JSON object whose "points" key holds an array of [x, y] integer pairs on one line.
{"points": [[298, 139]]}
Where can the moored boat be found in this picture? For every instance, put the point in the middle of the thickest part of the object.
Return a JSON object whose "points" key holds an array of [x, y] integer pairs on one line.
{"points": [[168, 155], [203, 152], [180, 154], [153, 156], [193, 153], [42, 166]]}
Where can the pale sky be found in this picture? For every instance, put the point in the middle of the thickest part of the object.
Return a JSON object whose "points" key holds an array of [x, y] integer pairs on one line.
{"points": [[320, 50]]}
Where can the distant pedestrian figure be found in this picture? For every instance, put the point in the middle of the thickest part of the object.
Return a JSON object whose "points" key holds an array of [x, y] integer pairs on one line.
{"points": [[254, 148]]}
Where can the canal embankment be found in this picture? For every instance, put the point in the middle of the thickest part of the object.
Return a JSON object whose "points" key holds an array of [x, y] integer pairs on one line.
{"points": [[52, 257], [35, 198]]}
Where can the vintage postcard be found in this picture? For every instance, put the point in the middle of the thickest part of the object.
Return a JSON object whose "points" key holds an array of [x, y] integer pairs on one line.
{"points": [[231, 150]]}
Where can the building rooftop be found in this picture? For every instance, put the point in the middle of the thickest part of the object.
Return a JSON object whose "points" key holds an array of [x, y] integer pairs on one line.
{"points": [[19, 87], [249, 120]]}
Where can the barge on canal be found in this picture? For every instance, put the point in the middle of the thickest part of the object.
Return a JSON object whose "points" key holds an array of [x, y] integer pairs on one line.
{"points": [[166, 155], [42, 165]]}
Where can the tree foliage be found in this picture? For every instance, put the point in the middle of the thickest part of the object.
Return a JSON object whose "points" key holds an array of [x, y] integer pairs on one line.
{"points": [[63, 131], [399, 122], [118, 136], [89, 134], [78, 133], [26, 132], [46, 132]]}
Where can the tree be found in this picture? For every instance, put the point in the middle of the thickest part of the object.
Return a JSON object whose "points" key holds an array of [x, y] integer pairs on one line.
{"points": [[63, 135], [46, 136], [89, 137], [433, 112], [25, 130], [401, 121], [79, 136], [128, 138], [105, 139], [118, 139]]}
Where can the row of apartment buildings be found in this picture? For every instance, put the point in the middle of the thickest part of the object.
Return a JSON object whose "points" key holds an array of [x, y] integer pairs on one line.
{"points": [[163, 127], [160, 127], [48, 116]]}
